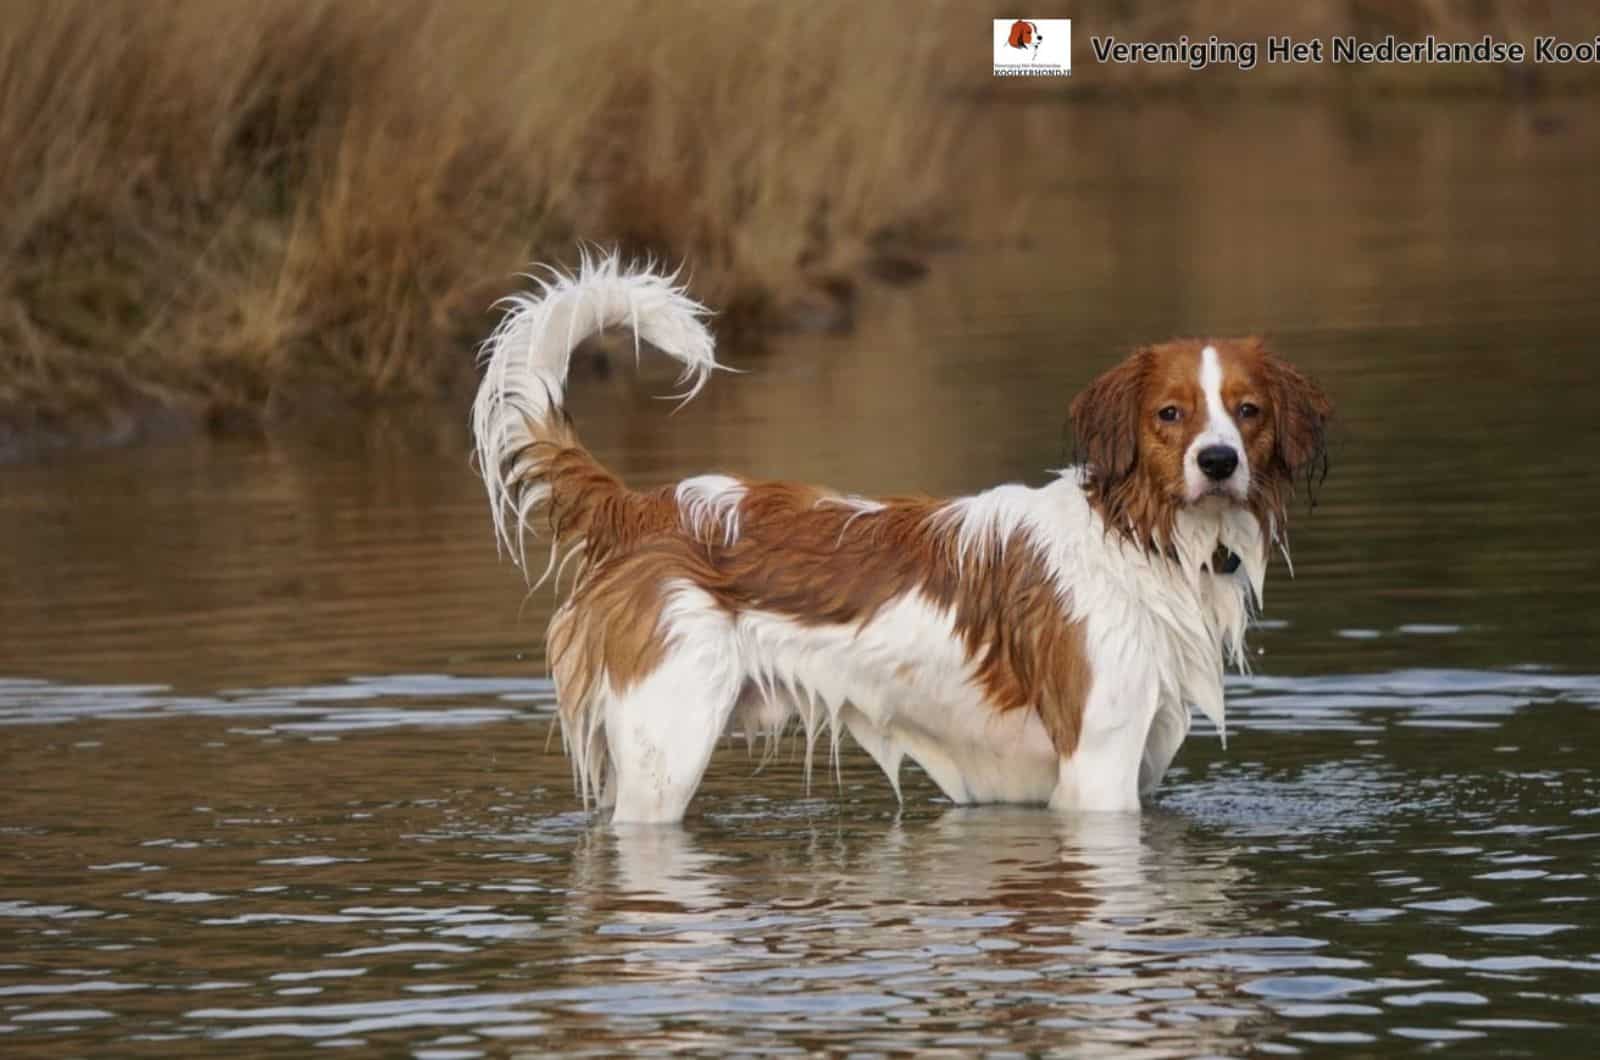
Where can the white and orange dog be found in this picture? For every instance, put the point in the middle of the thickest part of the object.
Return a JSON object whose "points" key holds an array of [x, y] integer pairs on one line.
{"points": [[1020, 645]]}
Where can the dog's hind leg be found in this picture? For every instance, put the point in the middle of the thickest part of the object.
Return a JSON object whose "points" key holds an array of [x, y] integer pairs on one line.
{"points": [[660, 732]]}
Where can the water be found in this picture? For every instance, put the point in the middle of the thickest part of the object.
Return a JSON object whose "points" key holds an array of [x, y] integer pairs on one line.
{"points": [[278, 772]]}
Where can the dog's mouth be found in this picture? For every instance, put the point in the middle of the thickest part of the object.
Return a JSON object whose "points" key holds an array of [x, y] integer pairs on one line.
{"points": [[1218, 493]]}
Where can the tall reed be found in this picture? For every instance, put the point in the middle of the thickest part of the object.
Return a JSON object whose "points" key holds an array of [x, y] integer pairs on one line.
{"points": [[215, 202]]}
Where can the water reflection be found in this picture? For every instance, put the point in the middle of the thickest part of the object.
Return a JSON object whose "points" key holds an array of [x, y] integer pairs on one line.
{"points": [[437, 886], [274, 726], [1052, 874], [929, 921]]}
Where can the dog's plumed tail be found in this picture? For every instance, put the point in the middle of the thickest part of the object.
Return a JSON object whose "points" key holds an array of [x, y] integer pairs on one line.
{"points": [[527, 450]]}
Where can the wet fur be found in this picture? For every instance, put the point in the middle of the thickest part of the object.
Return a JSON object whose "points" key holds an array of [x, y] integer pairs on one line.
{"points": [[1021, 645]]}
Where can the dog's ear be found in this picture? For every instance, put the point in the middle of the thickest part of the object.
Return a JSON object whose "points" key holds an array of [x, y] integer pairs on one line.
{"points": [[1302, 412], [1105, 420]]}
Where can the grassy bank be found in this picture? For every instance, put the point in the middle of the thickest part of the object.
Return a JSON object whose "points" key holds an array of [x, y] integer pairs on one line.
{"points": [[228, 210], [222, 205]]}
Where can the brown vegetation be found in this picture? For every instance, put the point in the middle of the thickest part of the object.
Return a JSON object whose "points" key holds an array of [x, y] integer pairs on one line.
{"points": [[232, 208], [222, 204]]}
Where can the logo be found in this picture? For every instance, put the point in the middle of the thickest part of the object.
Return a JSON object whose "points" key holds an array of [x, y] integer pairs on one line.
{"points": [[1032, 47]]}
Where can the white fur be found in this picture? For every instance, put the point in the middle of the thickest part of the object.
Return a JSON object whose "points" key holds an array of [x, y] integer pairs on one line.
{"points": [[903, 686], [1157, 629], [709, 507], [660, 733], [1220, 430], [525, 364]]}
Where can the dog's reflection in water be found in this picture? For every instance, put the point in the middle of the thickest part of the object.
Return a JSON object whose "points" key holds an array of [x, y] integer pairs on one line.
{"points": [[1109, 865], [1109, 907]]}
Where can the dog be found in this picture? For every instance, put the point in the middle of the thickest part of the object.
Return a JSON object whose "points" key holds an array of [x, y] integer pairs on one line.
{"points": [[1021, 645]]}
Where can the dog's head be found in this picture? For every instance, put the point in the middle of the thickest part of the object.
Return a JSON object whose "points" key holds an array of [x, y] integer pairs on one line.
{"points": [[1198, 422]]}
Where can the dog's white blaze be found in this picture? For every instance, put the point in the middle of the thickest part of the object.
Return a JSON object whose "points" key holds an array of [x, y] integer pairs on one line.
{"points": [[1220, 430]]}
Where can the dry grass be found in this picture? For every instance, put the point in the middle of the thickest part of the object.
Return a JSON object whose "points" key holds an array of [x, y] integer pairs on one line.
{"points": [[230, 206], [221, 203]]}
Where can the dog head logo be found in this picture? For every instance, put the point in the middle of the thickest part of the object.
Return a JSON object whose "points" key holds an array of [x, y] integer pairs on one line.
{"points": [[1024, 35], [1025, 47]]}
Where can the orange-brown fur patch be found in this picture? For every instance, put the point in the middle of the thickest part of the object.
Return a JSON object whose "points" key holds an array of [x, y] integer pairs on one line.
{"points": [[587, 502]]}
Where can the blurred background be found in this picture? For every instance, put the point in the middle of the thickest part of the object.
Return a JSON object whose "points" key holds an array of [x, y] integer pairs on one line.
{"points": [[247, 253], [224, 214]]}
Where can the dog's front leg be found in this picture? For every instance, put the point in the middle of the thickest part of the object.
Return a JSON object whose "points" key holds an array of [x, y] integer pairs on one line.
{"points": [[1102, 773]]}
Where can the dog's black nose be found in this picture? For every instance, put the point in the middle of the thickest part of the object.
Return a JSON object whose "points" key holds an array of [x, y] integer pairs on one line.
{"points": [[1217, 461]]}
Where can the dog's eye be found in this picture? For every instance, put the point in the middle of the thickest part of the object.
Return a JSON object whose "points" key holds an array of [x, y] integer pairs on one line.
{"points": [[1169, 414], [1248, 411]]}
